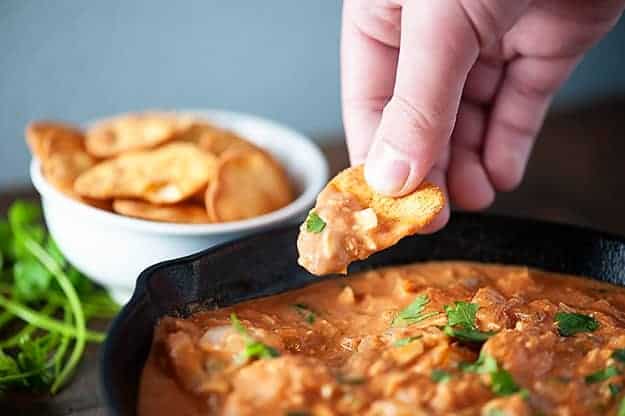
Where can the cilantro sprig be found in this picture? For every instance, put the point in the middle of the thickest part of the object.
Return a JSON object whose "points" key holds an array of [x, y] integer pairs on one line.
{"points": [[413, 313], [501, 381], [253, 349], [45, 304], [569, 324], [461, 317], [602, 375], [314, 223], [305, 312]]}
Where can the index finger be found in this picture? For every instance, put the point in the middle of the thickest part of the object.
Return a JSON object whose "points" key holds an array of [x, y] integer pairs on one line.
{"points": [[368, 65]]}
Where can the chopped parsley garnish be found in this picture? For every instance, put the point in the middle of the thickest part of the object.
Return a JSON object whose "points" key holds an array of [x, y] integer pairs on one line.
{"points": [[440, 376], [621, 408], [405, 341], [485, 364], [461, 318], [314, 223], [413, 313], [462, 314], [306, 313], [572, 323], [619, 355], [496, 412], [615, 389], [468, 335], [602, 375], [501, 381], [253, 349]]}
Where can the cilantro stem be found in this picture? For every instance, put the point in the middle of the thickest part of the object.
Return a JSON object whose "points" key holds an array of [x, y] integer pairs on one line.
{"points": [[5, 317], [57, 360], [27, 330], [42, 321], [76, 308], [20, 376]]}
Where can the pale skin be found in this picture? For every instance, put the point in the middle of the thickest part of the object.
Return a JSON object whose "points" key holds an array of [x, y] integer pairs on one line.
{"points": [[455, 91]]}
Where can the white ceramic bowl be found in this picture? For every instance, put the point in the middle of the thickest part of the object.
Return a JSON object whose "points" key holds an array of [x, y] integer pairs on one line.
{"points": [[113, 249]]}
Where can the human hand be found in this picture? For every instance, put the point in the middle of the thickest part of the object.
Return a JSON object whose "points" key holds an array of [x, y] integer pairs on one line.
{"points": [[461, 100]]}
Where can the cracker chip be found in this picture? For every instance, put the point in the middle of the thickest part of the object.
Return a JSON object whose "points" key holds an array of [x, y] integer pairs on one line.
{"points": [[213, 139], [165, 175], [183, 212], [249, 183], [350, 221], [48, 138], [132, 132], [60, 149]]}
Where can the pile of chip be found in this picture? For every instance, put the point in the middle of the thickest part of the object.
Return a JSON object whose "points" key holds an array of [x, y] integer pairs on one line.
{"points": [[161, 167]]}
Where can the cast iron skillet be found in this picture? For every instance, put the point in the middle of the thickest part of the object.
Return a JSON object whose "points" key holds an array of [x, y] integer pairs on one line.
{"points": [[266, 264]]}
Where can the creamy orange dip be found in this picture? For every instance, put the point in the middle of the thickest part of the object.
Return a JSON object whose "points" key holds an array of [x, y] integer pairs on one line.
{"points": [[440, 338]]}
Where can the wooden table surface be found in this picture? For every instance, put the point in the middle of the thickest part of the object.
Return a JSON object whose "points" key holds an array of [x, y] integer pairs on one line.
{"points": [[576, 175]]}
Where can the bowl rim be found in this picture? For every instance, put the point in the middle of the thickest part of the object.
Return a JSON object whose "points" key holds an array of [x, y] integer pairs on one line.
{"points": [[305, 199]]}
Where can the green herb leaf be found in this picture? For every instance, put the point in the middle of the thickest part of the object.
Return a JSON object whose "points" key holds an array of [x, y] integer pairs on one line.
{"points": [[6, 236], [305, 312], [257, 349], [485, 364], [502, 383], [461, 318], [237, 325], [33, 268], [297, 413], [468, 335], [621, 408], [31, 280], [8, 366], [405, 341], [619, 355], [615, 389], [253, 349], [314, 223], [440, 376], [496, 412], [572, 323], [462, 314], [602, 375], [413, 313]]}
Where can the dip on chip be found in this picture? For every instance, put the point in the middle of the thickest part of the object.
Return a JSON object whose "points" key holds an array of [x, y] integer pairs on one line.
{"points": [[163, 176], [350, 221]]}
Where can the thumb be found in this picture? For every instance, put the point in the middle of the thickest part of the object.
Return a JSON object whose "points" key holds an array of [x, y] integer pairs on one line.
{"points": [[406, 145], [438, 46]]}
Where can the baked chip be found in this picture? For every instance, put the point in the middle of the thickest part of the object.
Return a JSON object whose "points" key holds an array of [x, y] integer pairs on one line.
{"points": [[213, 139], [166, 175], [48, 138], [183, 212], [249, 183], [60, 149], [132, 132], [350, 221]]}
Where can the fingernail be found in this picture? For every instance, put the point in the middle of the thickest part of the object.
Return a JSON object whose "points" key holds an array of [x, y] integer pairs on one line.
{"points": [[387, 174]]}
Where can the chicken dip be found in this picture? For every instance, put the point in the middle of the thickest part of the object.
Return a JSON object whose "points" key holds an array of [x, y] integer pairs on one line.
{"points": [[438, 338]]}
